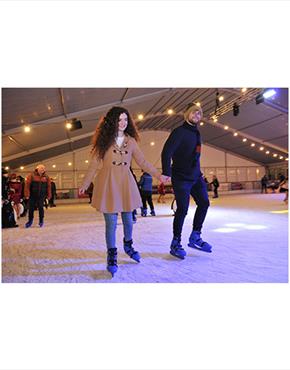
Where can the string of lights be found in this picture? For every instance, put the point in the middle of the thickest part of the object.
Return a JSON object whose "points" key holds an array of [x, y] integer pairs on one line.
{"points": [[246, 94]]}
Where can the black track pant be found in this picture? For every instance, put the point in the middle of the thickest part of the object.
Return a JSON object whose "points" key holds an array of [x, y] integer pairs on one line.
{"points": [[147, 197], [31, 204], [183, 190]]}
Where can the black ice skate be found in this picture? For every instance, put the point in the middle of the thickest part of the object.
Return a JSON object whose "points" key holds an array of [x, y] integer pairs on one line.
{"points": [[143, 212], [112, 266], [131, 251], [176, 249], [196, 242], [28, 224]]}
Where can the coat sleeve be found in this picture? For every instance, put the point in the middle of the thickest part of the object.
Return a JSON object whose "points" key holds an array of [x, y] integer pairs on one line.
{"points": [[91, 172], [169, 148], [27, 186], [141, 161]]}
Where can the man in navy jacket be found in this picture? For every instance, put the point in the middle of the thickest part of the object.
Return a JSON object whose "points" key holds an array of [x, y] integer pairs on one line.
{"points": [[183, 147]]}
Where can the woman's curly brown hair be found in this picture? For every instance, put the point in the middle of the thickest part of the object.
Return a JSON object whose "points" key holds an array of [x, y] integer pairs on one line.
{"points": [[107, 131]]}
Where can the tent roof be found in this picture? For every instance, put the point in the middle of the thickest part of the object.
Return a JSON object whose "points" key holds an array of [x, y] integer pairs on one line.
{"points": [[47, 109]]}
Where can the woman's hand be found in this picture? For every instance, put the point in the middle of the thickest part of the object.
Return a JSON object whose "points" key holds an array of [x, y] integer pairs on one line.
{"points": [[82, 191]]}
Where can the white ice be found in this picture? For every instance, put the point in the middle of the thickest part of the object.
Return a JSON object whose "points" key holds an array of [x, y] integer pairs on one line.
{"points": [[249, 234]]}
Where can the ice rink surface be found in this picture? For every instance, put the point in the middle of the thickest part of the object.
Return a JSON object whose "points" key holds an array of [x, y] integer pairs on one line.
{"points": [[249, 234]]}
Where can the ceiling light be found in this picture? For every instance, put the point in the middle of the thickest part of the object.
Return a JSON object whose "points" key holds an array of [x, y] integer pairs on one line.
{"points": [[69, 163], [244, 139], [27, 129], [267, 152], [261, 148], [170, 111], [226, 127], [86, 161], [7, 168], [235, 134], [221, 98], [198, 104], [253, 144], [201, 123], [286, 159], [49, 108], [22, 168], [281, 157], [53, 166], [275, 155], [244, 89], [152, 143], [140, 117], [75, 124]]}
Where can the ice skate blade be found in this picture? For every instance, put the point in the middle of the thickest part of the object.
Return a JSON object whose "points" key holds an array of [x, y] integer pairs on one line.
{"points": [[199, 249], [174, 255]]}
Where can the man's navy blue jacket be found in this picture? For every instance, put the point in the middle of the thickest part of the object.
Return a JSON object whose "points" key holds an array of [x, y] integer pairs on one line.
{"points": [[183, 146]]}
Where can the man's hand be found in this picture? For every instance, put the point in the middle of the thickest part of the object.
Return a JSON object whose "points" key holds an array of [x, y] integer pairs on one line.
{"points": [[165, 179]]}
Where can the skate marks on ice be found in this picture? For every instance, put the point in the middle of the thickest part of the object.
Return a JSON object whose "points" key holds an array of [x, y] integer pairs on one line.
{"points": [[250, 244]]}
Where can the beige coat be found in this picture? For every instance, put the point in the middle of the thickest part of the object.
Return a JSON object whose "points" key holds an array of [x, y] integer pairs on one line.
{"points": [[115, 189]]}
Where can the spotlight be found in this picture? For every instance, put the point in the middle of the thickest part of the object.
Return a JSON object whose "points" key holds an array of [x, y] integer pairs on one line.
{"points": [[236, 109], [76, 124], [269, 93], [266, 94]]}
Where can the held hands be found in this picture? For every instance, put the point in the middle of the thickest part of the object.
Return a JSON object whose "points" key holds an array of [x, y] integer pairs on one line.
{"points": [[164, 179]]}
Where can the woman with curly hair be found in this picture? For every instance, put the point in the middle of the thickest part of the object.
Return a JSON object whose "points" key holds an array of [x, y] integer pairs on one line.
{"points": [[114, 144]]}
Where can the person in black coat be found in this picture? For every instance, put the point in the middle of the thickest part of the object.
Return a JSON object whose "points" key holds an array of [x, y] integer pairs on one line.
{"points": [[215, 183], [183, 147], [264, 182], [53, 193], [145, 184]]}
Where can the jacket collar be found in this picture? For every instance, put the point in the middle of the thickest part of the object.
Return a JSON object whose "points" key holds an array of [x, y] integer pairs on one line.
{"points": [[124, 144], [190, 127]]}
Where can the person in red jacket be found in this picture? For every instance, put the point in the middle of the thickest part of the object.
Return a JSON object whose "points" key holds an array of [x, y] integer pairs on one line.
{"points": [[37, 189], [15, 191]]}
